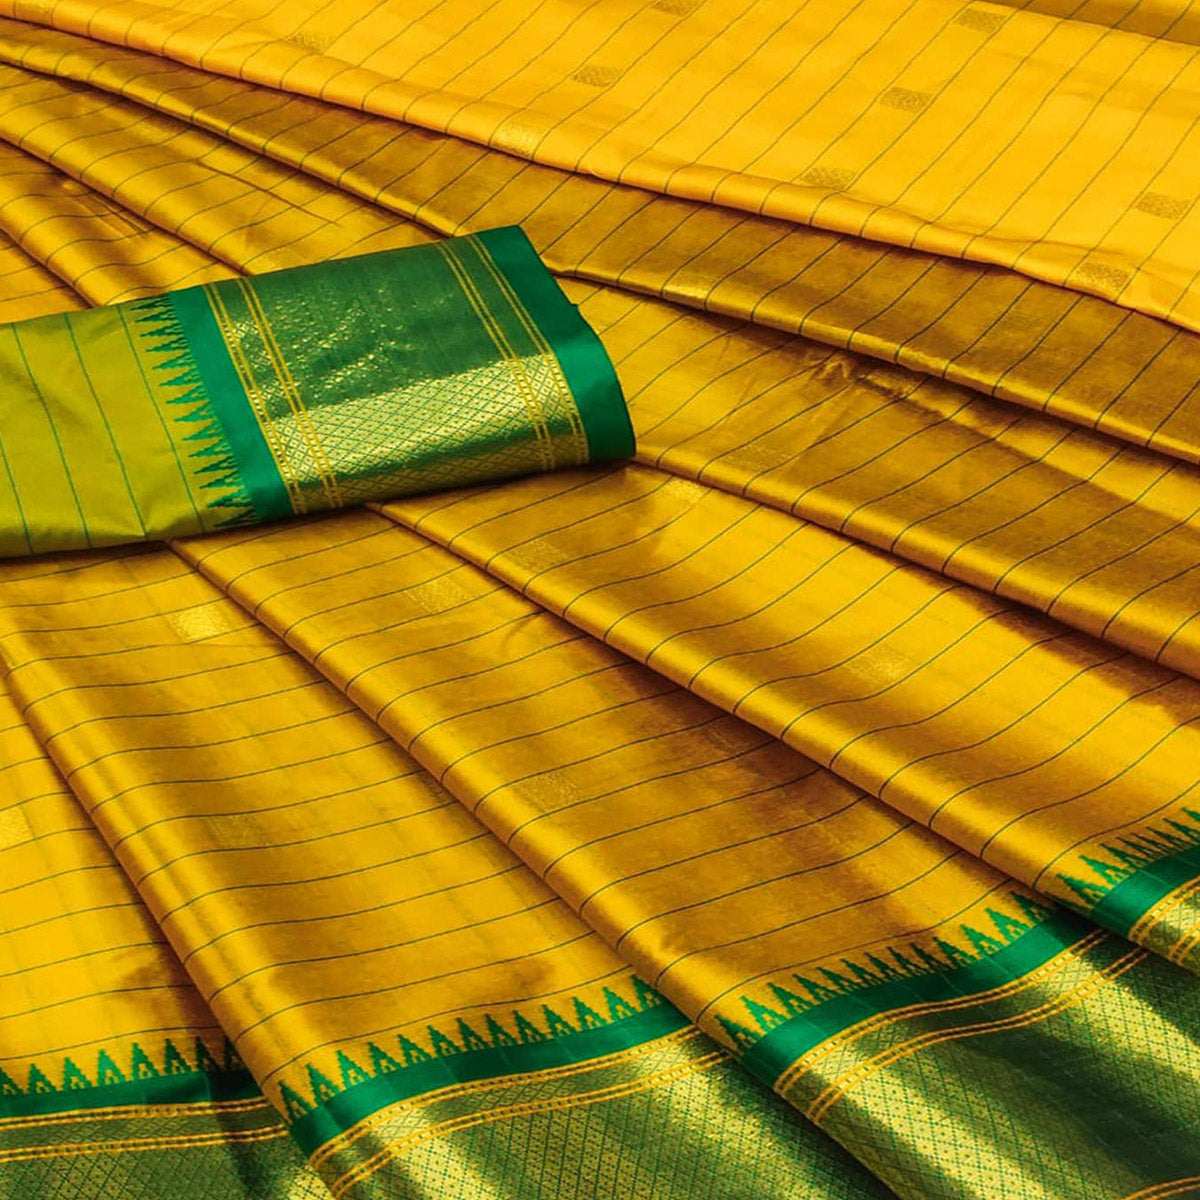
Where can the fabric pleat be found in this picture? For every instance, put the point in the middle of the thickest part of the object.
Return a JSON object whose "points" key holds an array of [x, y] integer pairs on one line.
{"points": [[866, 139]]}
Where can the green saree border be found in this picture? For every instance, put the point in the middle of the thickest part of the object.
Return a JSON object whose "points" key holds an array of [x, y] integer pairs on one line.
{"points": [[174, 1079], [770, 1055], [187, 350], [585, 363], [346, 1109], [1119, 882], [449, 1066], [789, 1024], [230, 405], [1128, 901], [172, 1089]]}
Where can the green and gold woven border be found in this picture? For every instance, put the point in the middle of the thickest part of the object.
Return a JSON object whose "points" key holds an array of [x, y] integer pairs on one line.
{"points": [[393, 373], [312, 388]]}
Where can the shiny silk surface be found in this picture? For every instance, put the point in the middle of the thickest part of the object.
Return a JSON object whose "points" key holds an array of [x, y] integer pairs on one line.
{"points": [[806, 808]]}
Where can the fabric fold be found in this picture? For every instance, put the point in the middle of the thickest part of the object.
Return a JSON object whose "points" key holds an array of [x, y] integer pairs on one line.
{"points": [[1050, 146], [1046, 347], [410, 996], [296, 391], [846, 956]]}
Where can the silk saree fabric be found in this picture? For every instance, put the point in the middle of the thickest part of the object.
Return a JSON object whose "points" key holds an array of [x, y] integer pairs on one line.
{"points": [[805, 808]]}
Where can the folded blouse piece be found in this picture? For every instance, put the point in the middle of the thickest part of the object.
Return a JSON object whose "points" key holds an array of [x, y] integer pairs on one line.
{"points": [[296, 391]]}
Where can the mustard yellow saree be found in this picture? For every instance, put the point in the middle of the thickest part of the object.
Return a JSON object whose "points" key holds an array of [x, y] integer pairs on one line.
{"points": [[600, 600]]}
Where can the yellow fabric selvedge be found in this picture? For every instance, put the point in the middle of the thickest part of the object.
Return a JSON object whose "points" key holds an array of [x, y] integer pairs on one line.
{"points": [[1073, 163]]}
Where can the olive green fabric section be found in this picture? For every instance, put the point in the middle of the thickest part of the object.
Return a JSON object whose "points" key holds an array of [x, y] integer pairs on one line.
{"points": [[88, 455], [1092, 1054], [224, 1151], [311, 388]]}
